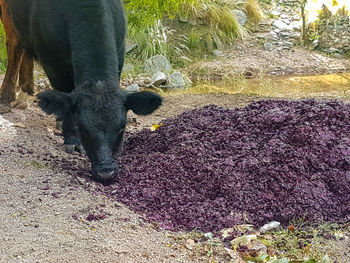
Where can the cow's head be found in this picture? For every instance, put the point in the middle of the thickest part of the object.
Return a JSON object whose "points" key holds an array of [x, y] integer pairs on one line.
{"points": [[101, 122]]}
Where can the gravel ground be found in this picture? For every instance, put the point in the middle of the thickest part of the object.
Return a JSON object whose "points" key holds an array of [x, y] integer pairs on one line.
{"points": [[44, 211]]}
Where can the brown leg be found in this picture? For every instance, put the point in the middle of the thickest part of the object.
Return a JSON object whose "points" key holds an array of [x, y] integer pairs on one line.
{"points": [[8, 88], [14, 57], [26, 78]]}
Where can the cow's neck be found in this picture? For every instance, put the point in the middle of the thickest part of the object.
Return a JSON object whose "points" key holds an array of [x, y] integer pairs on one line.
{"points": [[93, 43]]}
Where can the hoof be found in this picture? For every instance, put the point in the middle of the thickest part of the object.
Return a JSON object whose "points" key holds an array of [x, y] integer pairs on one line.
{"points": [[17, 104], [80, 149], [69, 148], [59, 125], [21, 102], [4, 108]]}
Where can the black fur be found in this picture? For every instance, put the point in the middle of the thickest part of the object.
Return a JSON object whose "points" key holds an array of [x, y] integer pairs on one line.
{"points": [[81, 46], [143, 102]]}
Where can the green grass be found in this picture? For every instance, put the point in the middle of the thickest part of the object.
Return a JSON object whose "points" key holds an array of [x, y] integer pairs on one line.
{"points": [[3, 53], [37, 165], [301, 242]]}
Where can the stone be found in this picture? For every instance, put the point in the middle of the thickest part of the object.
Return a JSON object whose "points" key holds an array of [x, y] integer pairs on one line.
{"points": [[159, 79], [218, 53], [275, 12], [133, 88], [268, 46], [281, 25], [129, 47], [241, 16], [269, 226], [157, 63], [332, 50], [325, 259], [338, 56], [177, 80], [217, 41], [288, 44], [286, 21], [285, 34]]}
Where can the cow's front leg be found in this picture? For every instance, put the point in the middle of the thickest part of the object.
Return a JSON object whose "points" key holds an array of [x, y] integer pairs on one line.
{"points": [[8, 88], [70, 133]]}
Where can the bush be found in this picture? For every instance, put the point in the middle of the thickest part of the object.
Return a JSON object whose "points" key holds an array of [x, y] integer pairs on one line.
{"points": [[3, 52]]}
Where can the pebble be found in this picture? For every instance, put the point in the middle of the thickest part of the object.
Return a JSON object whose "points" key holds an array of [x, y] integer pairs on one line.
{"points": [[269, 226]]}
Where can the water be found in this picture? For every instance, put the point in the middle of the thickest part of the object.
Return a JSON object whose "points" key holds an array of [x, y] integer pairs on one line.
{"points": [[332, 85]]}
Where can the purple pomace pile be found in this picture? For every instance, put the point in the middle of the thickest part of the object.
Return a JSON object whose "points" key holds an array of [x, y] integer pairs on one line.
{"points": [[211, 168]]}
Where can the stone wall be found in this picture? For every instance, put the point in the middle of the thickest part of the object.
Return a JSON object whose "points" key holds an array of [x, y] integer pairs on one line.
{"points": [[334, 38]]}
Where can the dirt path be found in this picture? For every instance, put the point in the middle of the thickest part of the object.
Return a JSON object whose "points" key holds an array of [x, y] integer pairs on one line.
{"points": [[44, 212], [249, 58]]}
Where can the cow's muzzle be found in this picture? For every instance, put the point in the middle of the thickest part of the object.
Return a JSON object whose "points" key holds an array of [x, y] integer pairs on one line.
{"points": [[105, 175]]}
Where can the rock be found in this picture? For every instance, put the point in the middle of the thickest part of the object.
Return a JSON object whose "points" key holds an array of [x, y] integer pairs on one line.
{"points": [[337, 55], [133, 88], [157, 63], [178, 80], [288, 44], [332, 50], [218, 53], [269, 226], [285, 34], [159, 79], [217, 41], [281, 25], [268, 46], [241, 16], [275, 12], [147, 80], [129, 47], [325, 259]]}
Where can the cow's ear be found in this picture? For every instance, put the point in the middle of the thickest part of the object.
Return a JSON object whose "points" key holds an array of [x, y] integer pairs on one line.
{"points": [[55, 102], [143, 103]]}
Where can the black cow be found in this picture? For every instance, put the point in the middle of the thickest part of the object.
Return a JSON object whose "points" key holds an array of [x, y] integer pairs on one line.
{"points": [[80, 44]]}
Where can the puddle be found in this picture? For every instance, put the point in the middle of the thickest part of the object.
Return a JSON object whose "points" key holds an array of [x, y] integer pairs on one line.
{"points": [[333, 85]]}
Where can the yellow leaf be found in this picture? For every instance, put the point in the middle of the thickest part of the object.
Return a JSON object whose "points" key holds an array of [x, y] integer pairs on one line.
{"points": [[156, 126]]}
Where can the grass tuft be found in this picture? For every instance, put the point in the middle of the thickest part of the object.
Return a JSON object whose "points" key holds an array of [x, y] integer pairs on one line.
{"points": [[254, 11]]}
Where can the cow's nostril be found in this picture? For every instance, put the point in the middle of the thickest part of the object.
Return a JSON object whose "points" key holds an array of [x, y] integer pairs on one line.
{"points": [[106, 174]]}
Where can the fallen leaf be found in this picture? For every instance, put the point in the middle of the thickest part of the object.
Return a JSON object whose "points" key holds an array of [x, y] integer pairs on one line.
{"points": [[208, 235], [291, 228], [20, 124], [156, 126], [242, 241]]}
